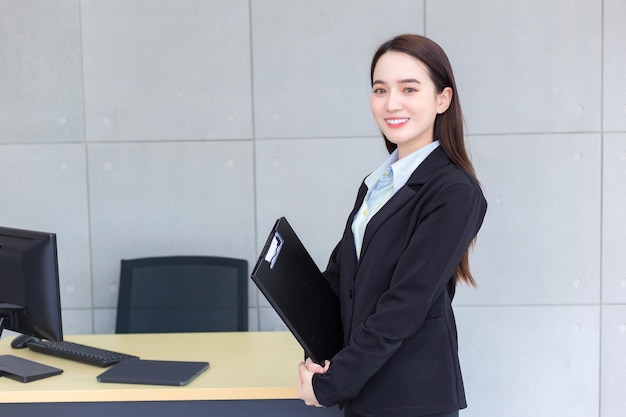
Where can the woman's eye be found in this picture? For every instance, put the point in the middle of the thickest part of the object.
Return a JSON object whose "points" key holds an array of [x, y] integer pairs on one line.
{"points": [[379, 91], [410, 90]]}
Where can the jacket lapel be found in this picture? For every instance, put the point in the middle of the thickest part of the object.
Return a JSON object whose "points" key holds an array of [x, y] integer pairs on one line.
{"points": [[433, 163]]}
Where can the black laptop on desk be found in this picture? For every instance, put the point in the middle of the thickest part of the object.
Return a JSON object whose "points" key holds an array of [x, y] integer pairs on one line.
{"points": [[293, 284]]}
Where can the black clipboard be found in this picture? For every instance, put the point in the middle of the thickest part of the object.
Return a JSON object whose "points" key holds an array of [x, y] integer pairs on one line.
{"points": [[294, 286]]}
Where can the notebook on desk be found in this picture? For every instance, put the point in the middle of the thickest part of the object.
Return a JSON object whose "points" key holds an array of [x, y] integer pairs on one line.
{"points": [[293, 284]]}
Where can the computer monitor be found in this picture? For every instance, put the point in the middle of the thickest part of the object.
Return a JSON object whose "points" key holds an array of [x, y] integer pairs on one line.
{"points": [[30, 301]]}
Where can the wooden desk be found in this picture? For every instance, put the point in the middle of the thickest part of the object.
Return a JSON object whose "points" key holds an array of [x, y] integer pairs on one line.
{"points": [[244, 367]]}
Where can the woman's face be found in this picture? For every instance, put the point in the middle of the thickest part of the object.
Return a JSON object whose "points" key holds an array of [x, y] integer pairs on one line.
{"points": [[405, 102]]}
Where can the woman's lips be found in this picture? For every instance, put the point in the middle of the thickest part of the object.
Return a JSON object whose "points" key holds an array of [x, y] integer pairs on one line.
{"points": [[396, 122]]}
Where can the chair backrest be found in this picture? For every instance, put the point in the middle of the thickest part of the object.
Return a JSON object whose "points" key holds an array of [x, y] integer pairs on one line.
{"points": [[182, 294]]}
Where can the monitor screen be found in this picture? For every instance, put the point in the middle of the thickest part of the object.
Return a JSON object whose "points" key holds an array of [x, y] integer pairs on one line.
{"points": [[30, 301]]}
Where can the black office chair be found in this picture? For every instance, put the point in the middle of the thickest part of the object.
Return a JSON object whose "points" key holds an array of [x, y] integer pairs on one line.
{"points": [[183, 294]]}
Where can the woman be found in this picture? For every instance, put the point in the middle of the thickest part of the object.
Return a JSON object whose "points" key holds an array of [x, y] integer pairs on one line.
{"points": [[404, 249]]}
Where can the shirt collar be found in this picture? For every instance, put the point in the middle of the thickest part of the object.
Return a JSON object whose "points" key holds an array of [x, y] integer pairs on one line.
{"points": [[401, 168], [404, 167], [373, 178]]}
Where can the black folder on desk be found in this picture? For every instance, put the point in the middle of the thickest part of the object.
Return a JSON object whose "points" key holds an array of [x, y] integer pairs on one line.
{"points": [[150, 372], [293, 284]]}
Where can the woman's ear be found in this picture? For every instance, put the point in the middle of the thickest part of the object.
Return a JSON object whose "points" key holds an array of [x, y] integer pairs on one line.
{"points": [[445, 98]]}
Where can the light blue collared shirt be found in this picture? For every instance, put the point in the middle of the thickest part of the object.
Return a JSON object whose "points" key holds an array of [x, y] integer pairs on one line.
{"points": [[382, 184]]}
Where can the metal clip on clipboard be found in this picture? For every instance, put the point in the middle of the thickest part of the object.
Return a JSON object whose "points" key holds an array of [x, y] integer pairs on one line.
{"points": [[274, 250]]}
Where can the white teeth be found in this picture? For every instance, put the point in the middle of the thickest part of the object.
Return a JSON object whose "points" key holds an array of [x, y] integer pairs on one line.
{"points": [[396, 121]]}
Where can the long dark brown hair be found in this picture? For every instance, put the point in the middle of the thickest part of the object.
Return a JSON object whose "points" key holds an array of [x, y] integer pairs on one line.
{"points": [[449, 124]]}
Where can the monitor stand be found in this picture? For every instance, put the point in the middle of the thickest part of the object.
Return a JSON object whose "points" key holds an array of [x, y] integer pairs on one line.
{"points": [[24, 370]]}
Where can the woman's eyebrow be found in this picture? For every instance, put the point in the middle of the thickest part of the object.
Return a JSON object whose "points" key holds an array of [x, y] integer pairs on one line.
{"points": [[404, 81]]}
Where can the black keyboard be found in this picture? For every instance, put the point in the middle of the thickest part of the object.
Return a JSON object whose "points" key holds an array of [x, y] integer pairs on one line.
{"points": [[77, 352]]}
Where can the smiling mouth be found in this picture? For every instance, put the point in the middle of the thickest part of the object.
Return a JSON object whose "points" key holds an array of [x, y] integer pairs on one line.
{"points": [[396, 122]]}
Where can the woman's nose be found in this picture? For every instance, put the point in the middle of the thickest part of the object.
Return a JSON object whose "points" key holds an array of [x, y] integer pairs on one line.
{"points": [[393, 102]]}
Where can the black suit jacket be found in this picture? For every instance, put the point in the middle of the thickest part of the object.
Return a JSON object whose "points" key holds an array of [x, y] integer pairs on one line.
{"points": [[400, 341]]}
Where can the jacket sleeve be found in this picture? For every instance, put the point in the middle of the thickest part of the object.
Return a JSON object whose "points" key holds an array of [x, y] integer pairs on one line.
{"points": [[440, 238]]}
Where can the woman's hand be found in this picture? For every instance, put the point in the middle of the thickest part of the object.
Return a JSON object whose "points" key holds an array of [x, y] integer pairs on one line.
{"points": [[306, 370]]}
